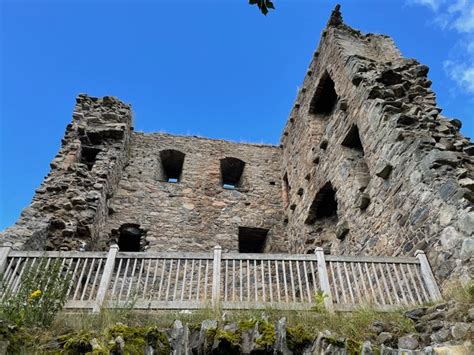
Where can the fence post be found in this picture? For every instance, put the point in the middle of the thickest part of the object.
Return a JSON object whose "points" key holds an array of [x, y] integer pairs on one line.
{"points": [[216, 277], [428, 276], [323, 279], [4, 251], [105, 279]]}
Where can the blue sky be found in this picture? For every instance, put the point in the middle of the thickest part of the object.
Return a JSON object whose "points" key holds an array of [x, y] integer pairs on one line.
{"points": [[213, 68]]}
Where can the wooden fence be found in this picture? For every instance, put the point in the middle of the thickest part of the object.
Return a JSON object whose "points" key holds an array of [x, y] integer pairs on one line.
{"points": [[175, 280]]}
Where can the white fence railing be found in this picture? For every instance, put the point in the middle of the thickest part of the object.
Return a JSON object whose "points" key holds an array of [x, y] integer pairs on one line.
{"points": [[175, 280]]}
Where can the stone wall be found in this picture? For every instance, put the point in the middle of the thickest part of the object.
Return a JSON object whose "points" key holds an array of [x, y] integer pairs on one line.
{"points": [[70, 207], [197, 213], [372, 166]]}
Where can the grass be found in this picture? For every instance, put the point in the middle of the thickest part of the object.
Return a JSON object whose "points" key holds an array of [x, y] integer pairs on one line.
{"points": [[355, 325]]}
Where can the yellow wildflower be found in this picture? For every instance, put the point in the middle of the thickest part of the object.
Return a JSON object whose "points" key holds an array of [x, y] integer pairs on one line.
{"points": [[35, 294]]}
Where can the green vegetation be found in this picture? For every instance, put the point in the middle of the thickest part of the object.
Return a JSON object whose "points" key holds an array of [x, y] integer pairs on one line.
{"points": [[103, 332], [39, 296], [232, 337], [268, 335], [298, 337], [319, 302]]}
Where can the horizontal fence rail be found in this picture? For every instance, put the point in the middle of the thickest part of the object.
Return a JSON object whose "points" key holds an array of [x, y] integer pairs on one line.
{"points": [[178, 280]]}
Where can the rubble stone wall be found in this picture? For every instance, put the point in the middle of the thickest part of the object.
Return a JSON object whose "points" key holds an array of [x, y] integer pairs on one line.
{"points": [[70, 207], [197, 213], [407, 186]]}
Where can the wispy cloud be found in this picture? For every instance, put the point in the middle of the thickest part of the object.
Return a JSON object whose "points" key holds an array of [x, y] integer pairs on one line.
{"points": [[434, 4], [458, 16]]}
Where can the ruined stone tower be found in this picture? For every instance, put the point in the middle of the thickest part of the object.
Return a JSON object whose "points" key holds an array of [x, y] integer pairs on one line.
{"points": [[366, 165]]}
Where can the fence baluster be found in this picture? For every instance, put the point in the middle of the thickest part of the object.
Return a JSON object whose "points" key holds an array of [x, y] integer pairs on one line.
{"points": [[191, 281], [86, 284], [233, 280], [407, 285], [394, 287], [84, 265], [248, 280], [169, 280], [99, 267], [293, 291], [139, 280], [269, 264], [384, 280], [206, 280], [400, 284], [370, 283], [277, 280], [413, 281], [349, 285], [356, 283], [162, 277], [226, 272], [378, 283], [300, 284], [199, 280], [241, 283], [284, 280], [184, 279], [117, 276], [146, 279]]}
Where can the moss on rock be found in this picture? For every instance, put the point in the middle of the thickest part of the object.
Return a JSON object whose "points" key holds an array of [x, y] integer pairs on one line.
{"points": [[158, 340], [268, 334], [298, 337]]}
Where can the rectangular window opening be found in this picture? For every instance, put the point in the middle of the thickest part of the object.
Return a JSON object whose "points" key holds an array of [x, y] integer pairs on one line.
{"points": [[231, 172], [252, 240], [172, 165]]}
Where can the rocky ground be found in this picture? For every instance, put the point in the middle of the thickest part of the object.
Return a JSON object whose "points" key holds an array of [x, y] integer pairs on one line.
{"points": [[440, 329]]}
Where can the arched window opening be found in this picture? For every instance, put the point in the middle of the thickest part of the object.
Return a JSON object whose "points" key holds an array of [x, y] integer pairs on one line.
{"points": [[172, 165], [231, 172], [131, 238], [352, 139], [252, 240], [324, 205], [325, 97]]}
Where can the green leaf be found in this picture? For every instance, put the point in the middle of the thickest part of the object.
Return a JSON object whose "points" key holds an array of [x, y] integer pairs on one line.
{"points": [[263, 5]]}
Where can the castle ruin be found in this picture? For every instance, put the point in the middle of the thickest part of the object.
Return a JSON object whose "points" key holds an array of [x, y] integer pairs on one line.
{"points": [[367, 164]]}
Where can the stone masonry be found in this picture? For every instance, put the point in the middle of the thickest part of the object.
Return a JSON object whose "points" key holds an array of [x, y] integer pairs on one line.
{"points": [[367, 165]]}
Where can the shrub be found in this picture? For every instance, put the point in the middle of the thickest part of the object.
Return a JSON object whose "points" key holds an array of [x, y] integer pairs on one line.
{"points": [[38, 296]]}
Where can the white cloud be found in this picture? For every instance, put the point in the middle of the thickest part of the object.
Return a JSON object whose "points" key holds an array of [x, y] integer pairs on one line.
{"points": [[462, 73], [456, 16], [463, 13], [434, 4]]}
